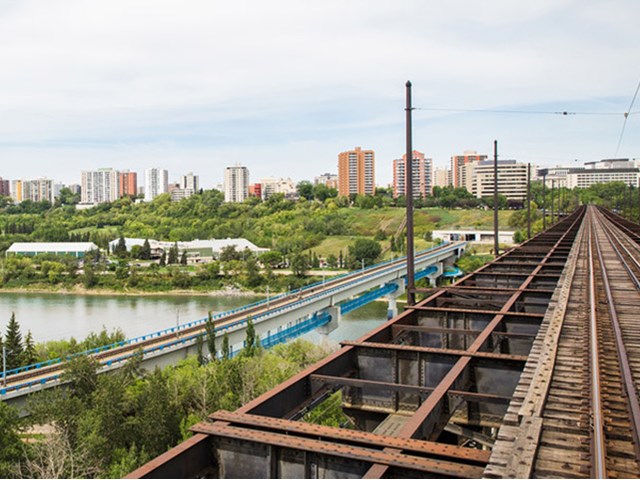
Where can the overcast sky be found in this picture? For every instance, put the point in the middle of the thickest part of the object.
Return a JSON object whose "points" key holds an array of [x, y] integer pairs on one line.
{"points": [[284, 86]]}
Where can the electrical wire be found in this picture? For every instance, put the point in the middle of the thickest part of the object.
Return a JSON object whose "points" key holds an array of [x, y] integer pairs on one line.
{"points": [[626, 117], [525, 112]]}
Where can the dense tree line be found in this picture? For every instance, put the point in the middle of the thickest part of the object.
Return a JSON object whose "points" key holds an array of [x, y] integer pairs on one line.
{"points": [[108, 425]]}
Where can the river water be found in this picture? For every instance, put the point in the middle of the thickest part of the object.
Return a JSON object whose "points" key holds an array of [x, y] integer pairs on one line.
{"points": [[59, 316]]}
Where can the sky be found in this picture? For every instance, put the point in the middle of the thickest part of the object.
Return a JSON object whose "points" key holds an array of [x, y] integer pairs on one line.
{"points": [[283, 86]]}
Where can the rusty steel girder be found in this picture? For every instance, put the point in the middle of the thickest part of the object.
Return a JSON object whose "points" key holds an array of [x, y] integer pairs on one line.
{"points": [[439, 372]]}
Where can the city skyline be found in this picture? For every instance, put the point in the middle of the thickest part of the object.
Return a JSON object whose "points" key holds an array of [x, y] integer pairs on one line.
{"points": [[87, 85]]}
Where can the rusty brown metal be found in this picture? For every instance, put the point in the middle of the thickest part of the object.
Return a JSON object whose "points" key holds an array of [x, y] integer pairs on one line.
{"points": [[352, 436], [359, 383], [450, 387], [456, 331], [439, 351], [389, 459]]}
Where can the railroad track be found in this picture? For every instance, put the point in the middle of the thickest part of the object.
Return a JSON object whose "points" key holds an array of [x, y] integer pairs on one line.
{"points": [[591, 417], [54, 371]]}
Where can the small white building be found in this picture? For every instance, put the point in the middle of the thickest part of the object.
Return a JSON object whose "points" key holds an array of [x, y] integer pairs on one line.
{"points": [[30, 249], [478, 236]]}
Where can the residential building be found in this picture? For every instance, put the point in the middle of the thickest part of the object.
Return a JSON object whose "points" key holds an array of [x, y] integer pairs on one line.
{"points": [[457, 161], [512, 179], [328, 179], [441, 177], [356, 172], [604, 171], [422, 173], [75, 249], [557, 175], [5, 188], [37, 190], [99, 186], [127, 184], [255, 190], [190, 181], [236, 183], [156, 182], [269, 186]]}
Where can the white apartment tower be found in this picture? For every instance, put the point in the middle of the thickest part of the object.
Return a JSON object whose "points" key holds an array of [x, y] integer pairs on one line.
{"points": [[156, 182], [99, 186], [236, 183], [190, 182], [422, 172]]}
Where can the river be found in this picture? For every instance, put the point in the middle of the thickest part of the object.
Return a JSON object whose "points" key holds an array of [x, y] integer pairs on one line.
{"points": [[61, 316]]}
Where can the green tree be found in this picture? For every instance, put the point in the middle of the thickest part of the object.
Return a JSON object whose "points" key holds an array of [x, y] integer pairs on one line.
{"points": [[226, 348], [364, 249], [173, 254], [145, 251], [252, 342], [13, 344], [30, 353], [299, 264], [305, 189], [120, 250], [183, 258], [210, 327], [12, 449]]}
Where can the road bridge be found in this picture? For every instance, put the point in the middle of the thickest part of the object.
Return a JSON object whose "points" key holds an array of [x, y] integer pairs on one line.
{"points": [[528, 367], [275, 319]]}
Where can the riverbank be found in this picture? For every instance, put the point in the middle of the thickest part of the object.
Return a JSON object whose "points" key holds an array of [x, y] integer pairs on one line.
{"points": [[80, 290]]}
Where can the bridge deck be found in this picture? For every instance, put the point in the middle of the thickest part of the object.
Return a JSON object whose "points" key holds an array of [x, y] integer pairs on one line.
{"points": [[443, 372]]}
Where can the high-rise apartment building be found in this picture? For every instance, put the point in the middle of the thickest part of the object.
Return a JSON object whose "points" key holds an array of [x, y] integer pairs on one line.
{"points": [[99, 186], [37, 190], [127, 184], [422, 172], [5, 188], [236, 183], [269, 186], [356, 172], [458, 161], [156, 182], [441, 177], [190, 182]]}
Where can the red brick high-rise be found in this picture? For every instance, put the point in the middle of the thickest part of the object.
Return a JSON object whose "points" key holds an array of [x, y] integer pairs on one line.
{"points": [[356, 172], [457, 162], [127, 184]]}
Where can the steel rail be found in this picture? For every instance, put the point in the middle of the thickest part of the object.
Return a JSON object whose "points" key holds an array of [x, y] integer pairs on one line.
{"points": [[598, 448], [623, 357]]}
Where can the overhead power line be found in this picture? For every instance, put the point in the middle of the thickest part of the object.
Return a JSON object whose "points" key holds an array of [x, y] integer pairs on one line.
{"points": [[523, 112], [626, 117]]}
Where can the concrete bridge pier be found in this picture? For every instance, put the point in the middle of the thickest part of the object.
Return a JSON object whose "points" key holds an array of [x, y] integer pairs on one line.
{"points": [[336, 316], [434, 276], [392, 309]]}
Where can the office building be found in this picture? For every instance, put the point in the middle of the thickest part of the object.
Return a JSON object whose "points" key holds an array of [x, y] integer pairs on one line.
{"points": [[458, 173], [512, 179], [356, 172], [236, 183], [99, 186], [127, 184], [422, 172], [156, 182], [604, 171]]}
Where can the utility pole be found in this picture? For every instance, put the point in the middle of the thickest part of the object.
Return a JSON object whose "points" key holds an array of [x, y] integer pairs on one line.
{"points": [[553, 186], [528, 201], [408, 181], [496, 244], [544, 201]]}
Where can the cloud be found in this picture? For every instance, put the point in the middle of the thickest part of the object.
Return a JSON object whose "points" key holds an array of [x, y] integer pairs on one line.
{"points": [[195, 84]]}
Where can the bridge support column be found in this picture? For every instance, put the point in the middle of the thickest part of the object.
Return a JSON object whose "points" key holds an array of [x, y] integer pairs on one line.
{"points": [[392, 310], [434, 276], [334, 313]]}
